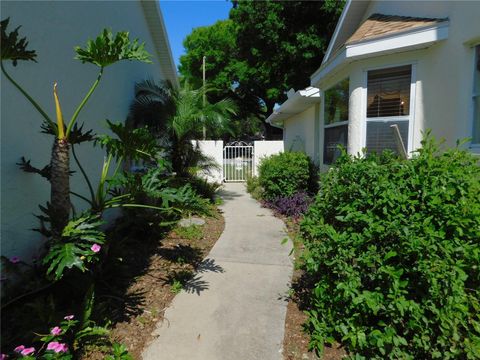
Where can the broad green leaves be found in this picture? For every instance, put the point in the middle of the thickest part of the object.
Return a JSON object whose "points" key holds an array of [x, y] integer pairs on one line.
{"points": [[13, 47], [108, 49], [75, 247], [393, 246]]}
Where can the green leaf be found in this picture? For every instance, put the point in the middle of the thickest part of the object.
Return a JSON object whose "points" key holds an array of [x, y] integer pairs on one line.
{"points": [[92, 331], [389, 255], [108, 49], [14, 48], [61, 256]]}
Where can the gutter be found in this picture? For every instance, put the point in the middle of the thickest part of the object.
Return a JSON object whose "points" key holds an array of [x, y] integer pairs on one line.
{"points": [[156, 26], [297, 102]]}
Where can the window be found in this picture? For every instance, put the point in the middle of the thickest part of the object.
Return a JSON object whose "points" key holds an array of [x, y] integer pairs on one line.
{"points": [[336, 120], [476, 97], [388, 103]]}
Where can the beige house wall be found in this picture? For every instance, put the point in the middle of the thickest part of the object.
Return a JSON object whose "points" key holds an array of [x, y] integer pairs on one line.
{"points": [[299, 132], [53, 28], [443, 75]]}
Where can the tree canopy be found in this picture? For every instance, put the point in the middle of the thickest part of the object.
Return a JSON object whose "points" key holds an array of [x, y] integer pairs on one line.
{"points": [[260, 52]]}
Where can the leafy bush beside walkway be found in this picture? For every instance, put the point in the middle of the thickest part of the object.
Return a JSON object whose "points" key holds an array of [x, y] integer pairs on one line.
{"points": [[393, 248]]}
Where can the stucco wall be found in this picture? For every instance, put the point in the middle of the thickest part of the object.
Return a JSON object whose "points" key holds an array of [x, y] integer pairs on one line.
{"points": [[213, 149], [443, 75], [264, 149], [299, 132], [53, 28]]}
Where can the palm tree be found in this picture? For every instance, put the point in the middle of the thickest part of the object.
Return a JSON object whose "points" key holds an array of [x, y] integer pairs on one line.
{"points": [[182, 115], [105, 50]]}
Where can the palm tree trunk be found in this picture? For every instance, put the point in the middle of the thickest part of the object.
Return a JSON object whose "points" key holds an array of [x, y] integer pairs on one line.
{"points": [[60, 185]]}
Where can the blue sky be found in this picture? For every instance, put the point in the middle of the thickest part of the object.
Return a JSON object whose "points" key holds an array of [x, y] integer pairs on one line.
{"points": [[182, 16]]}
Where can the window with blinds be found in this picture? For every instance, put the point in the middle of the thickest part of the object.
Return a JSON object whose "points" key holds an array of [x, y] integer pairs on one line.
{"points": [[388, 92], [388, 103], [336, 120]]}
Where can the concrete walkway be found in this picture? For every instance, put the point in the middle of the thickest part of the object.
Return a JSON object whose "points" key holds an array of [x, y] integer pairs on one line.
{"points": [[235, 307]]}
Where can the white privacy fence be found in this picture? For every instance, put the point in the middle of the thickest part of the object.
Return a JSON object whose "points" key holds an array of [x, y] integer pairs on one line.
{"points": [[238, 160]]}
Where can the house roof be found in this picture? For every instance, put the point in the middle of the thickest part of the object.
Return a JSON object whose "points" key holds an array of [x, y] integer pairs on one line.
{"points": [[154, 19], [378, 25], [296, 103], [379, 34]]}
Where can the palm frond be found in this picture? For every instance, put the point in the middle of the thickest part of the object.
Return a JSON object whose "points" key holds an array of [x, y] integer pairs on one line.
{"points": [[153, 105]]}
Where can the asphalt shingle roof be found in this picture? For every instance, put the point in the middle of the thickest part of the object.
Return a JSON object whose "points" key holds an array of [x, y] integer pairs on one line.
{"points": [[378, 25]]}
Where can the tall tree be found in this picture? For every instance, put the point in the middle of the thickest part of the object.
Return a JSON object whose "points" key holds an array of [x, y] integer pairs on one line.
{"points": [[282, 43], [223, 71], [263, 50]]}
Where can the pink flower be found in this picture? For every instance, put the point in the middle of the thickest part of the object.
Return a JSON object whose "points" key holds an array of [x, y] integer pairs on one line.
{"points": [[62, 348], [57, 347], [3, 357], [27, 351], [52, 345], [56, 331], [19, 348], [95, 248], [14, 259], [69, 317]]}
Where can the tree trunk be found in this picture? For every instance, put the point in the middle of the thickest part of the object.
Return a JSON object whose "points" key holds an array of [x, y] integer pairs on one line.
{"points": [[60, 185], [177, 163]]}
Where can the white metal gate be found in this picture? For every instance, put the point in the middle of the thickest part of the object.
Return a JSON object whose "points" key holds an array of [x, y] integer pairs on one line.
{"points": [[237, 161]]}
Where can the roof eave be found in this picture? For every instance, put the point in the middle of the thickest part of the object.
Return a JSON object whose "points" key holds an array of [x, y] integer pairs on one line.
{"points": [[412, 39], [304, 98], [154, 19], [352, 14]]}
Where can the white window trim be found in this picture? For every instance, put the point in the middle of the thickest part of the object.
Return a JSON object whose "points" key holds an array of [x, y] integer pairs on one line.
{"points": [[474, 145], [410, 117], [338, 123]]}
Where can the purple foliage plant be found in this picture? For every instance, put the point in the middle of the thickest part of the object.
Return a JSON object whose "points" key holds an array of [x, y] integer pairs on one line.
{"points": [[292, 206]]}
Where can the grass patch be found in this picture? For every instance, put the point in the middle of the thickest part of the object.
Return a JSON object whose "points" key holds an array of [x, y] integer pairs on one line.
{"points": [[192, 232]]}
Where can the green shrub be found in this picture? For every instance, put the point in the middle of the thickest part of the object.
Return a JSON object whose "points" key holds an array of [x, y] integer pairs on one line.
{"points": [[285, 174], [254, 188], [393, 248]]}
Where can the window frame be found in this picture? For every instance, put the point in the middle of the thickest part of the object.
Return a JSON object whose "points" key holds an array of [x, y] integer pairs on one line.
{"points": [[410, 117], [334, 124], [475, 94]]}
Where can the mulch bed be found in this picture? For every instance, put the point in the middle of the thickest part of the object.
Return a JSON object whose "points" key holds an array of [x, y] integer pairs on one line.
{"points": [[149, 292]]}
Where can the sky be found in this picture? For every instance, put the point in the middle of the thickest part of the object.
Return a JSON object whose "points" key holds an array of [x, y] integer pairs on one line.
{"points": [[182, 16]]}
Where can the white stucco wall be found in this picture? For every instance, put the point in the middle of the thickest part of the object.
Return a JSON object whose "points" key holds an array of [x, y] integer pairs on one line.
{"points": [[263, 149], [213, 149], [53, 28], [443, 75], [299, 132]]}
